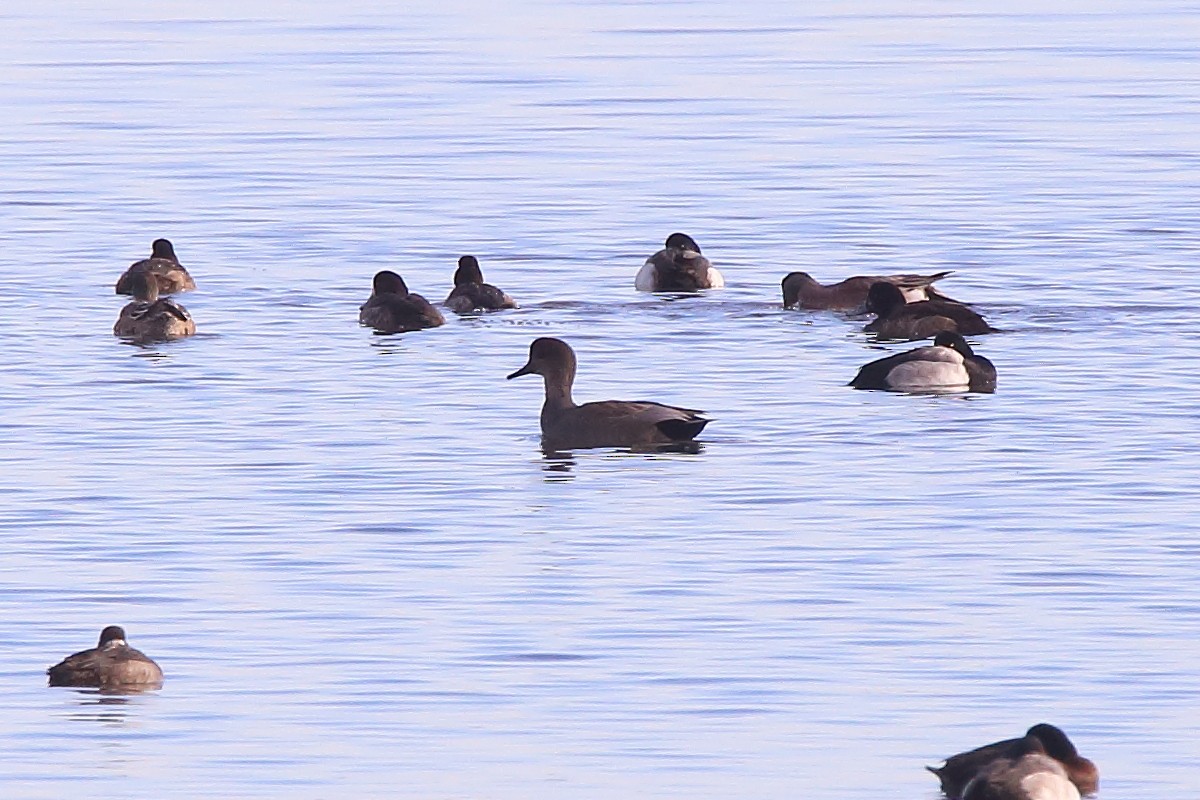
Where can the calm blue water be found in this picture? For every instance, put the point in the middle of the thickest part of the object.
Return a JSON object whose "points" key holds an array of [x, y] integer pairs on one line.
{"points": [[357, 570]]}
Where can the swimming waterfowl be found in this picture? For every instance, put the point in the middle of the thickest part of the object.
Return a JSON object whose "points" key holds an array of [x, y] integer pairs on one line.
{"points": [[959, 769], [801, 290], [471, 293], [150, 318], [608, 423], [110, 664], [678, 267], [393, 309], [949, 364], [165, 268], [1023, 772], [909, 321]]}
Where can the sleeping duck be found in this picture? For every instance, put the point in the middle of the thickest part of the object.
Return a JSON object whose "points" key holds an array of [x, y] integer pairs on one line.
{"points": [[471, 293], [111, 664], [165, 268], [392, 308], [959, 769], [898, 319], [150, 318], [1022, 772], [678, 267], [949, 365]]}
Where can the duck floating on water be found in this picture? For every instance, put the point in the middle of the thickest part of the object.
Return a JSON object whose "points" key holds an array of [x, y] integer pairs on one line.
{"points": [[607, 423], [898, 319], [111, 664], [678, 267], [948, 365], [801, 290], [470, 293], [392, 308], [959, 770], [164, 266], [150, 318]]}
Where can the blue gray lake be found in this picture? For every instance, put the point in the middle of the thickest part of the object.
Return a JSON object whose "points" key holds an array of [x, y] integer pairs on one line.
{"points": [[358, 571]]}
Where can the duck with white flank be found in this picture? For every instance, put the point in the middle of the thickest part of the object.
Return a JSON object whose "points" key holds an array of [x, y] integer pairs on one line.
{"points": [[471, 293], [678, 267], [948, 365], [960, 769], [150, 318], [1023, 772], [112, 664], [165, 268], [392, 308], [608, 423]]}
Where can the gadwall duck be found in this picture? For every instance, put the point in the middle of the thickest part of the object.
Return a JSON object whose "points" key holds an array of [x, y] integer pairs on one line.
{"points": [[608, 423], [150, 318], [959, 769], [898, 319], [109, 665], [948, 365], [471, 293], [678, 267], [801, 290], [392, 308], [165, 268], [1023, 772]]}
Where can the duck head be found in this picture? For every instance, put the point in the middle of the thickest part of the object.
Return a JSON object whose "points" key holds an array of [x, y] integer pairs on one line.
{"points": [[681, 241], [113, 634], [162, 248], [883, 298], [388, 282], [468, 271], [793, 284], [553, 359], [955, 341]]}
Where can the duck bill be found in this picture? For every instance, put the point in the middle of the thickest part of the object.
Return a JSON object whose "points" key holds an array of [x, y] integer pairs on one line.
{"points": [[525, 370]]}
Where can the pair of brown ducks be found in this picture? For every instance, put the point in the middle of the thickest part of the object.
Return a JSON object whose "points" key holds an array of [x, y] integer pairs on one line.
{"points": [[1041, 765], [150, 317], [392, 308]]}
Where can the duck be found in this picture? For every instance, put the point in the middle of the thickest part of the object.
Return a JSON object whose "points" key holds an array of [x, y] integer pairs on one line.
{"points": [[471, 293], [110, 664], [164, 266], [801, 290], [678, 267], [948, 365], [607, 423], [392, 308], [959, 769], [150, 318], [898, 319], [1023, 772]]}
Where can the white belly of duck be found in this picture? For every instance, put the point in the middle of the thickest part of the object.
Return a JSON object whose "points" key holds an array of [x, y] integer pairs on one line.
{"points": [[647, 278]]}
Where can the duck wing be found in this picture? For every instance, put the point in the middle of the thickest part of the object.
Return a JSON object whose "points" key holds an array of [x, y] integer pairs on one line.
{"points": [[621, 423]]}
